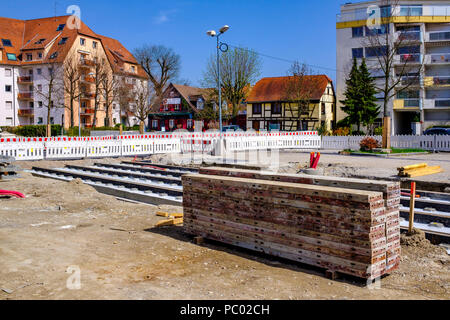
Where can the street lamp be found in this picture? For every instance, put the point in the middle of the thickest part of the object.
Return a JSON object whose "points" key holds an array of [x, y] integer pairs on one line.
{"points": [[224, 48]]}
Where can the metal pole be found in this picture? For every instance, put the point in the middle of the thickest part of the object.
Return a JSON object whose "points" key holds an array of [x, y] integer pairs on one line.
{"points": [[219, 88], [79, 115]]}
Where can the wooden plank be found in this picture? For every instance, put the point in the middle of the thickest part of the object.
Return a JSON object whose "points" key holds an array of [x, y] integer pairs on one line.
{"points": [[291, 230], [424, 172], [286, 187]]}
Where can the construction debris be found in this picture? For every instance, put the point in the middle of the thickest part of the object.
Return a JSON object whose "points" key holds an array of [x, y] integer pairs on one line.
{"points": [[342, 230], [8, 171], [169, 222], [418, 170]]}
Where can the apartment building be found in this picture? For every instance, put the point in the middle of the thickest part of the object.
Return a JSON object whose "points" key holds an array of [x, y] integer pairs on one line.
{"points": [[33, 51], [424, 29], [268, 107]]}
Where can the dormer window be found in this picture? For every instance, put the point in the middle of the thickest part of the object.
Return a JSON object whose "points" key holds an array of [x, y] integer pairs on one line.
{"points": [[11, 56], [6, 43], [62, 41], [39, 41], [60, 27], [54, 55], [29, 57], [133, 69]]}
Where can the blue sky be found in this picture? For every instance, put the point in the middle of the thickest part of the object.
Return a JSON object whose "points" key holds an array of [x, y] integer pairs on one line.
{"points": [[288, 29]]}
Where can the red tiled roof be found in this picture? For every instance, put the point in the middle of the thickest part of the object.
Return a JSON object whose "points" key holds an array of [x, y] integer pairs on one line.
{"points": [[275, 89]]}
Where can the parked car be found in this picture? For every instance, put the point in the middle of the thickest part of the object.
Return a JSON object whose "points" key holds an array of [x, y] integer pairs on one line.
{"points": [[230, 128], [437, 131]]}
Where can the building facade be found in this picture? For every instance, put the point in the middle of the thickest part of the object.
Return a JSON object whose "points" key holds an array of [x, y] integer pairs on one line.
{"points": [[268, 107], [178, 108], [421, 29], [35, 53]]}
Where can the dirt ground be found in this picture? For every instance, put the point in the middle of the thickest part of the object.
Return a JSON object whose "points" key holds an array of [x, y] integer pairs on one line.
{"points": [[121, 255]]}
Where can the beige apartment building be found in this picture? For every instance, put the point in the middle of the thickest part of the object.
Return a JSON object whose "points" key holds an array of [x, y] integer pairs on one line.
{"points": [[30, 50]]}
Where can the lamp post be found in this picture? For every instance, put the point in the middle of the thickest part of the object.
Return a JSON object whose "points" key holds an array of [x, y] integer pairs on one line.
{"points": [[213, 33]]}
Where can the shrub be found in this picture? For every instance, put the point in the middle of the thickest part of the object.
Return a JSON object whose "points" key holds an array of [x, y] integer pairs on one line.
{"points": [[368, 144], [34, 130], [345, 131], [378, 131]]}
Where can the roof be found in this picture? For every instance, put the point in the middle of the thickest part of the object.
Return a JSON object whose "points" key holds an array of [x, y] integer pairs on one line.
{"points": [[38, 34], [275, 89]]}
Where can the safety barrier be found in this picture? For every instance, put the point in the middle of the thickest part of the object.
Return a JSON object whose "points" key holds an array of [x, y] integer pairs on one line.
{"points": [[139, 145]]}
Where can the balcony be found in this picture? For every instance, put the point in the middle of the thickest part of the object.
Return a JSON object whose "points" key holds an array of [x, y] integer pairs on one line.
{"points": [[87, 111], [437, 103], [410, 58], [410, 81], [86, 63], [437, 81], [443, 58], [27, 96], [25, 112], [409, 36], [88, 80], [406, 104], [87, 96], [25, 80]]}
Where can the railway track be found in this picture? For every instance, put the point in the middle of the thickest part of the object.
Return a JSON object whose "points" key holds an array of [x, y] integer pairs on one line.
{"points": [[431, 214], [134, 182]]}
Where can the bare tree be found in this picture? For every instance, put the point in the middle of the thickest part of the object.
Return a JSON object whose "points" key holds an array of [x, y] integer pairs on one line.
{"points": [[142, 95], [110, 92], [239, 68], [299, 91], [124, 96], [161, 64], [100, 67], [52, 92], [72, 77], [397, 61]]}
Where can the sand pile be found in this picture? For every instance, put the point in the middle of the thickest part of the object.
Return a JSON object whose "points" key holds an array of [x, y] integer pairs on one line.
{"points": [[415, 239]]}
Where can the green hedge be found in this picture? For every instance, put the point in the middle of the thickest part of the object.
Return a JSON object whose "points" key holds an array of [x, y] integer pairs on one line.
{"points": [[33, 131]]}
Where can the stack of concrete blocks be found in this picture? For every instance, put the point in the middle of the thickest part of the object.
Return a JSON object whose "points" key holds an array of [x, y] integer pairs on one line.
{"points": [[336, 226]]}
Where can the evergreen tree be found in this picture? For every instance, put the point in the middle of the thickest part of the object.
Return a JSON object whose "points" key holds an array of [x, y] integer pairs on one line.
{"points": [[353, 97], [370, 109]]}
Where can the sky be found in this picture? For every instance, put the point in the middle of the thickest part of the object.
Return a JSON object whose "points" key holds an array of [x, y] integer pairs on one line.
{"points": [[286, 29]]}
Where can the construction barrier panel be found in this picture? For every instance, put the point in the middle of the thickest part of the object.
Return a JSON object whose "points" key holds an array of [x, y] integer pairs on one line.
{"points": [[22, 149]]}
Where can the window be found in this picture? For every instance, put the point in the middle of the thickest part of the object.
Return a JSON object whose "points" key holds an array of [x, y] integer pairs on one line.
{"points": [[62, 41], [8, 105], [257, 108], [386, 11], [8, 72], [357, 53], [6, 43], [9, 121], [60, 27], [7, 88], [39, 71], [190, 123], [39, 41], [52, 121], [11, 56], [133, 69], [40, 55], [29, 57], [357, 32], [31, 105], [408, 50], [376, 51], [408, 94], [94, 44], [54, 55], [30, 72], [82, 41], [154, 123], [40, 104], [39, 87], [171, 123], [412, 10], [323, 108], [40, 120], [275, 108]]}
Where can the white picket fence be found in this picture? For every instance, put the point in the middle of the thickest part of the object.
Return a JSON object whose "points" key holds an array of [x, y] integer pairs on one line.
{"points": [[141, 145], [431, 143]]}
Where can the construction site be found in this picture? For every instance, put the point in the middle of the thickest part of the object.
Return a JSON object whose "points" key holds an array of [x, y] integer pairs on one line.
{"points": [[155, 223]]}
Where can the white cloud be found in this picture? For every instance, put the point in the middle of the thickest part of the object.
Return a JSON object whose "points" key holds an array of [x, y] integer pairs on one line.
{"points": [[163, 16]]}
